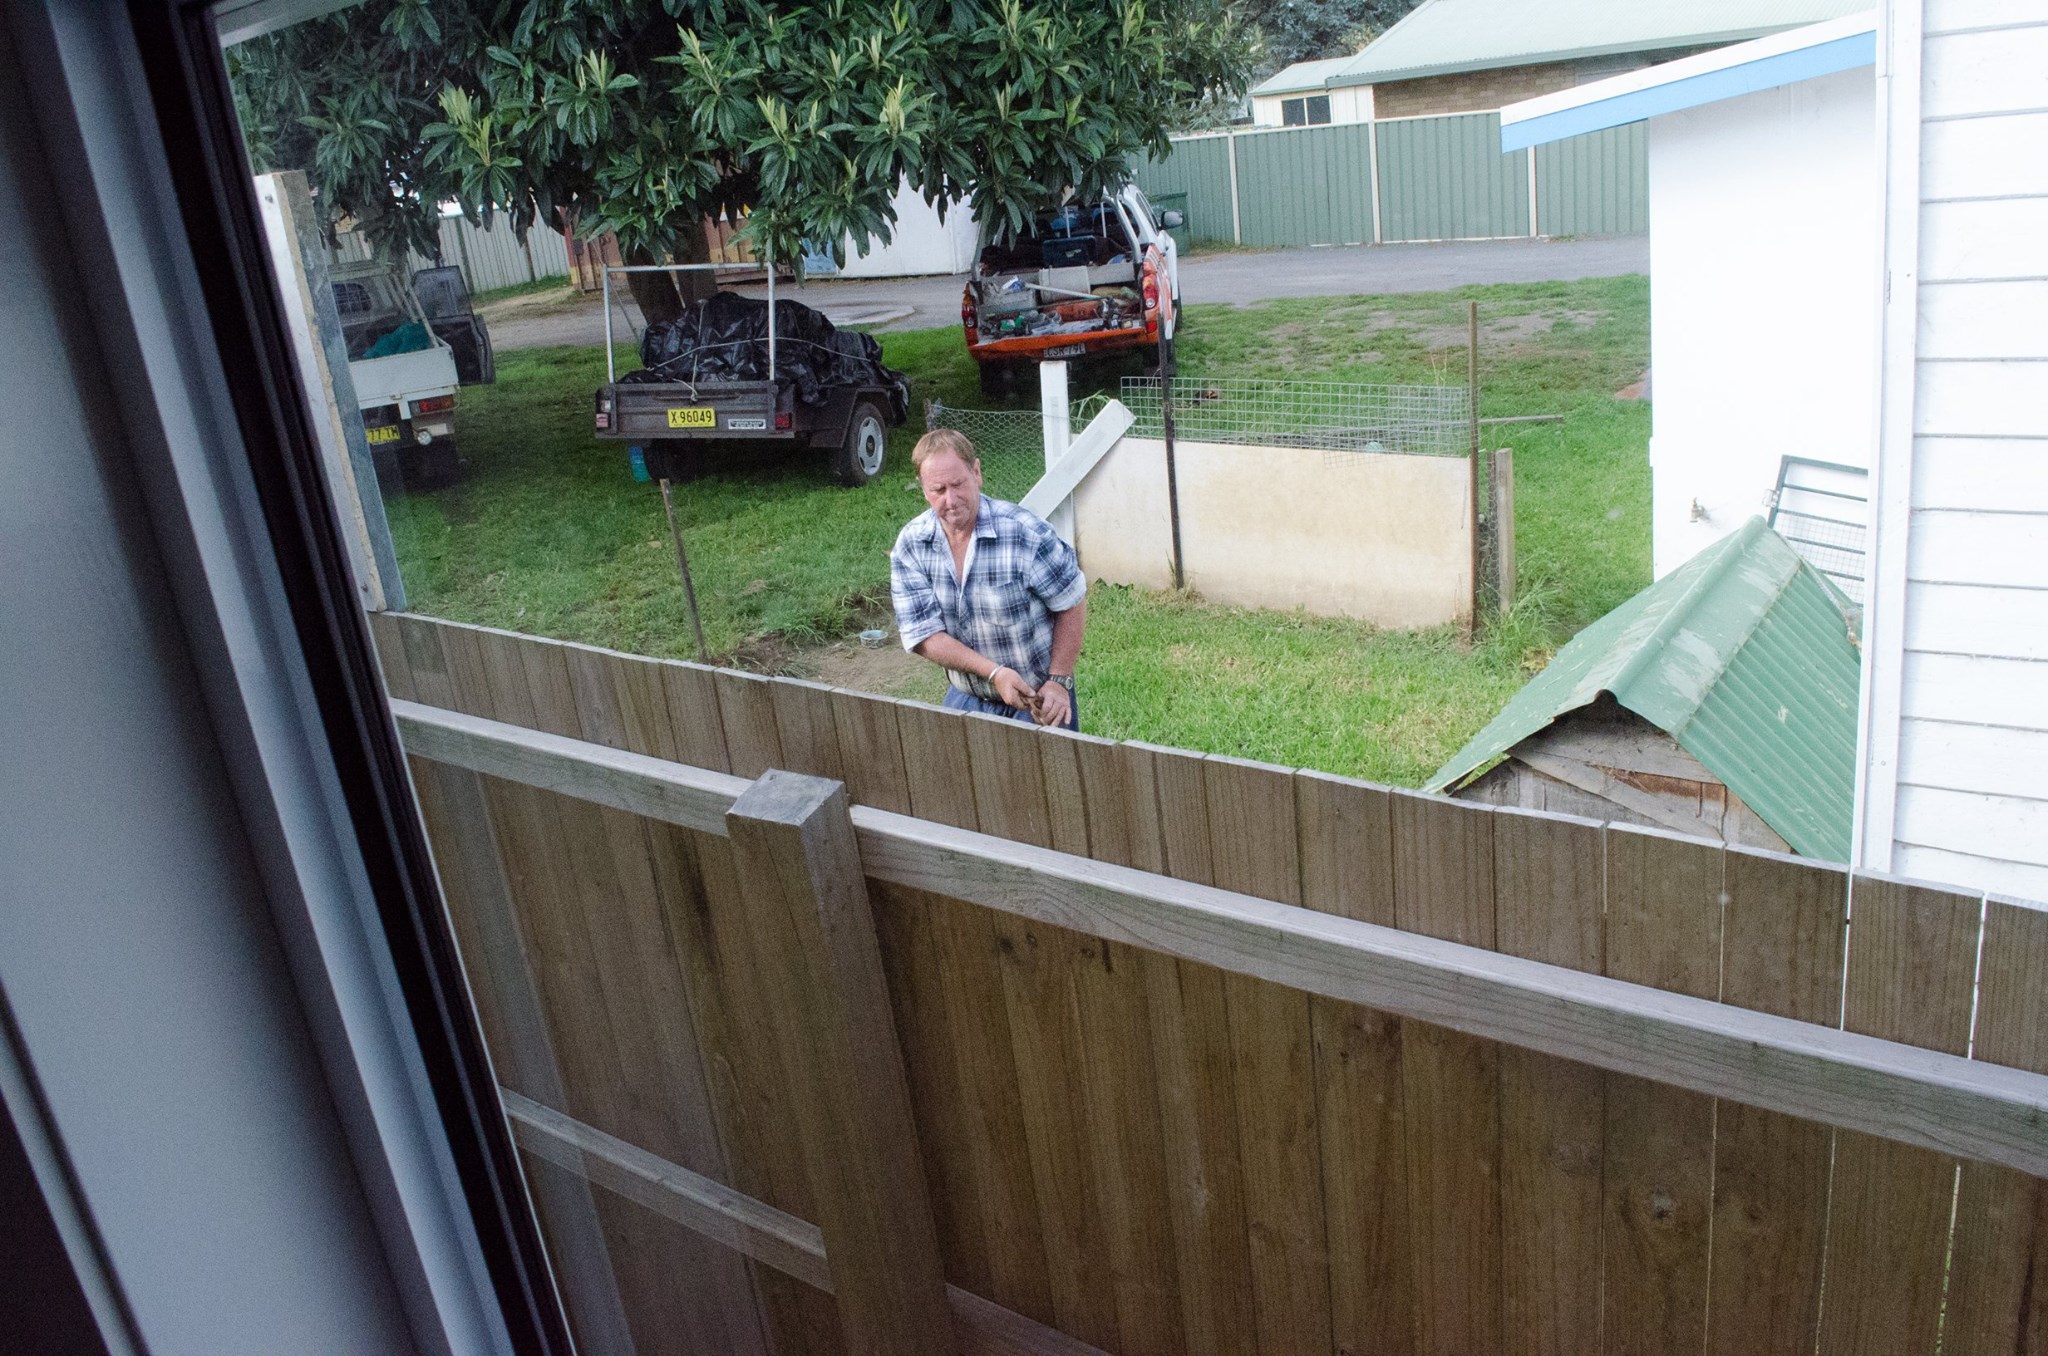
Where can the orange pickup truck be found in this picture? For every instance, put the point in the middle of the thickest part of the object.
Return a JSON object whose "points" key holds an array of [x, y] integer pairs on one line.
{"points": [[1090, 276]]}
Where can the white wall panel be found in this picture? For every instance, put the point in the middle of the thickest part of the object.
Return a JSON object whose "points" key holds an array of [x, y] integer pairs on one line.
{"points": [[1972, 472], [2000, 827], [1988, 759], [1994, 72], [1967, 619], [2000, 399], [1999, 239], [2016, 881], [1985, 320], [1947, 15], [1952, 546], [1976, 691], [1986, 157]]}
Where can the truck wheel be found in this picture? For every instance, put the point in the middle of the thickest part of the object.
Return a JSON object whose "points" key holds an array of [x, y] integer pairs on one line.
{"points": [[997, 379], [859, 458]]}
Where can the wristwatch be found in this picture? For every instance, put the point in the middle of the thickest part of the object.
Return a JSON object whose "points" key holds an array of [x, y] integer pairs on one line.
{"points": [[1065, 680]]}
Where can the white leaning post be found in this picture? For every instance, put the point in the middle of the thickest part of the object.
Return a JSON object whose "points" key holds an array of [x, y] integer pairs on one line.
{"points": [[1059, 437]]}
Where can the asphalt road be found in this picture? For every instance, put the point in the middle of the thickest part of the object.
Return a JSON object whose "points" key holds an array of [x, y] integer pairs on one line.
{"points": [[1237, 278]]}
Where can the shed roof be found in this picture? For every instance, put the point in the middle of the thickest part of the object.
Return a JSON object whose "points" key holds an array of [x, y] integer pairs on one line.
{"points": [[1744, 656], [1302, 75], [1703, 78], [1443, 37]]}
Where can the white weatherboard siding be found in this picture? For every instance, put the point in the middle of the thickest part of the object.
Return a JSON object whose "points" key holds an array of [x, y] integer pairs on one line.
{"points": [[1763, 244], [1957, 746]]}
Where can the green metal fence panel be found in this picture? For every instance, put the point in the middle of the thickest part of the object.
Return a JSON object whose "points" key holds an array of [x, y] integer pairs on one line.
{"points": [[1308, 186], [1200, 168], [1596, 184], [1446, 179]]}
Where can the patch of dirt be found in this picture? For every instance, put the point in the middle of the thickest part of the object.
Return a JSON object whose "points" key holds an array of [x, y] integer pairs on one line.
{"points": [[1638, 389], [1494, 331], [887, 669]]}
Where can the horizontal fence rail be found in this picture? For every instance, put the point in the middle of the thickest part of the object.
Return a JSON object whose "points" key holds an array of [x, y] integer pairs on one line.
{"points": [[1898, 1092], [792, 1246]]}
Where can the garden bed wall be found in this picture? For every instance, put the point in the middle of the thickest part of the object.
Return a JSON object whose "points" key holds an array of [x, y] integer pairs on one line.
{"points": [[1382, 537]]}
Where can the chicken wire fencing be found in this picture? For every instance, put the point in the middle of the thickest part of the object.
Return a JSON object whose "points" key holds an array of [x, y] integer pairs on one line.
{"points": [[1427, 421], [1010, 443]]}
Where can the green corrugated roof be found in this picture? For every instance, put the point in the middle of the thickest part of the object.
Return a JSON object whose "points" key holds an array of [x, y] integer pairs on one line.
{"points": [[1302, 75], [1744, 656], [1442, 37]]}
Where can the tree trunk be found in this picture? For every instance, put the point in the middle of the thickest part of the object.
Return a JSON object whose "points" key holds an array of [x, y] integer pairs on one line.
{"points": [[662, 296]]}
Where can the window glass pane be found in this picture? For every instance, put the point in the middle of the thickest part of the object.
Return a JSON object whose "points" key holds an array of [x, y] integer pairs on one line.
{"points": [[1293, 112], [1319, 108]]}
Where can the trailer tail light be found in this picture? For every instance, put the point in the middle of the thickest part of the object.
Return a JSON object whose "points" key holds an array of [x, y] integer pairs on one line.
{"points": [[784, 419], [604, 409]]}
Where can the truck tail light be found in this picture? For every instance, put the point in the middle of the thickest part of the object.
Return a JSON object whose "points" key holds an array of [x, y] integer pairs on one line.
{"points": [[433, 404], [968, 315], [784, 420], [1151, 295]]}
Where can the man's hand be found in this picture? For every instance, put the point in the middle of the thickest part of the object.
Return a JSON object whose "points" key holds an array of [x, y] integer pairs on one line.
{"points": [[1011, 687], [1053, 706]]}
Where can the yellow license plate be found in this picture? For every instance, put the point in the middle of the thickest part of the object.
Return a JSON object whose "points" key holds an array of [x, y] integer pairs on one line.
{"points": [[387, 434], [693, 416]]}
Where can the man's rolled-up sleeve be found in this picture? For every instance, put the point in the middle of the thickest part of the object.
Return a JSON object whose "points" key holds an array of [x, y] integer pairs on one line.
{"points": [[917, 606], [1055, 574]]}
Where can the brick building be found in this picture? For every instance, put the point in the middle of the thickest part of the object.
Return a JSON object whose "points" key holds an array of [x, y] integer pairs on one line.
{"points": [[1463, 56]]}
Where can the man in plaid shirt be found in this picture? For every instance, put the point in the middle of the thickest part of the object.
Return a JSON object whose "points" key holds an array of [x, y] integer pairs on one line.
{"points": [[988, 591]]}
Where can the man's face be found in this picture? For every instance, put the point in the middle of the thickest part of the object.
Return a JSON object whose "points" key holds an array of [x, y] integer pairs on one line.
{"points": [[953, 488]]}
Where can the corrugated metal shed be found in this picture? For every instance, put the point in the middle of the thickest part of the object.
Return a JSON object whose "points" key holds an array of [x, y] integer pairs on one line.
{"points": [[1744, 656], [1302, 75], [1443, 37]]}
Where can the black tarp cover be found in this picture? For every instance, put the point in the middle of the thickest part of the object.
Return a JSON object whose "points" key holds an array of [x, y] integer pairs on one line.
{"points": [[725, 338]]}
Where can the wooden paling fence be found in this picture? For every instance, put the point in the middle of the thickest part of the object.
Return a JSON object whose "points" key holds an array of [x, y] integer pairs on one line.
{"points": [[1103, 1046]]}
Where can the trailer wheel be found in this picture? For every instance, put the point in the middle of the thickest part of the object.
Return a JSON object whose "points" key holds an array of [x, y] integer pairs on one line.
{"points": [[860, 456]]}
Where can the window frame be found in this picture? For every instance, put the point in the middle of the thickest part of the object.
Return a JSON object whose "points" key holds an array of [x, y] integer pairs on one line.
{"points": [[459, 1187]]}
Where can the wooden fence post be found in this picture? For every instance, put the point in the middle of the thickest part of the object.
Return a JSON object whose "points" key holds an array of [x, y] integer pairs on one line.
{"points": [[813, 939]]}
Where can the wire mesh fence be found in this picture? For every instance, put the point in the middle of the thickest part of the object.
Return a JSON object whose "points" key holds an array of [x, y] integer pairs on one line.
{"points": [[1010, 443], [1428, 421], [1821, 509]]}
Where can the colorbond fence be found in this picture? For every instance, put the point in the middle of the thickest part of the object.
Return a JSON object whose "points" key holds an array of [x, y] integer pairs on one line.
{"points": [[1153, 1116], [489, 258], [1403, 179]]}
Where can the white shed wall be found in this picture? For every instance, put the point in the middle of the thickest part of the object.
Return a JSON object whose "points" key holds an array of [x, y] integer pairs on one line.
{"points": [[922, 245], [1763, 247], [1349, 103], [1958, 720]]}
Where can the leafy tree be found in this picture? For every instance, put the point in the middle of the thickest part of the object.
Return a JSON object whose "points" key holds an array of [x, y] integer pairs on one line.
{"points": [[642, 117], [1310, 30]]}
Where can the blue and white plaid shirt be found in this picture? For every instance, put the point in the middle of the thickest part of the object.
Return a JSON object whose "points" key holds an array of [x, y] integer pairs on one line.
{"points": [[1018, 574]]}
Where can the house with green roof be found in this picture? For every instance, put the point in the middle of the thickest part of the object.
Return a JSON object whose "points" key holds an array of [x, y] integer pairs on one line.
{"points": [[1719, 702], [1462, 56]]}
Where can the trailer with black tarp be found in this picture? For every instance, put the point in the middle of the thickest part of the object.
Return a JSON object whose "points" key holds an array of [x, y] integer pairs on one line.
{"points": [[734, 371]]}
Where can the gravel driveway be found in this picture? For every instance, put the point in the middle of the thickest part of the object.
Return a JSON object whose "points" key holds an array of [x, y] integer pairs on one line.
{"points": [[1237, 278]]}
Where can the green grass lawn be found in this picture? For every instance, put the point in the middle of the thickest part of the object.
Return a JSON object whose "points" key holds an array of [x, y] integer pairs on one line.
{"points": [[549, 534]]}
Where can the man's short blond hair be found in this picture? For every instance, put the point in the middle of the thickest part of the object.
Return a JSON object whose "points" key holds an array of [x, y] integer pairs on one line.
{"points": [[940, 441]]}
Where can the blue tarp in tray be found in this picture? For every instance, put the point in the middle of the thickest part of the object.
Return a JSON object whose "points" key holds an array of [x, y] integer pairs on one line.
{"points": [[725, 338], [410, 337]]}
